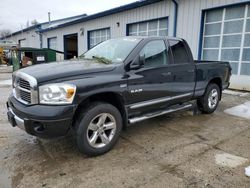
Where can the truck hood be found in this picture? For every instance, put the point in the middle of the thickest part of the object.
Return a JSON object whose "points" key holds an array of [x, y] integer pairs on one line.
{"points": [[57, 70]]}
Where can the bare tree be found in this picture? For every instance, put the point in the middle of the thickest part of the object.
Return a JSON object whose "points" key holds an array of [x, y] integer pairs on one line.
{"points": [[27, 24], [4, 33], [34, 22]]}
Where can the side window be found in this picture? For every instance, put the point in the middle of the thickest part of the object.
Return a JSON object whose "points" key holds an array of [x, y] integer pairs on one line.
{"points": [[179, 52], [155, 53]]}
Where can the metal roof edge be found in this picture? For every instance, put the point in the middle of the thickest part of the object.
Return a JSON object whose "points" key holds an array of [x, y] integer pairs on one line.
{"points": [[122, 8]]}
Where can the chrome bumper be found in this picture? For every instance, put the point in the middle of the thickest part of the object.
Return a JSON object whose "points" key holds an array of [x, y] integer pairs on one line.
{"points": [[18, 120]]}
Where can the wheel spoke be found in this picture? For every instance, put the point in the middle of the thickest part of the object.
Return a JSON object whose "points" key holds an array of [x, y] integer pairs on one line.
{"points": [[104, 138], [214, 94], [93, 127], [94, 138], [102, 119], [110, 125]]}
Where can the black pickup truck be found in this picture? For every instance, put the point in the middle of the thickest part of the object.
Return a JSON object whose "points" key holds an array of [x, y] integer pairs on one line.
{"points": [[117, 83]]}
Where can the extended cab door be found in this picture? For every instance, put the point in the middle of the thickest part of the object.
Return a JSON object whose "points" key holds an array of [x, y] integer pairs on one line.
{"points": [[182, 70]]}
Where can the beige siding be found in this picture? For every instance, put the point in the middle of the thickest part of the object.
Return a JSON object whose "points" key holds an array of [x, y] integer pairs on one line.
{"points": [[189, 19], [31, 38], [156, 10]]}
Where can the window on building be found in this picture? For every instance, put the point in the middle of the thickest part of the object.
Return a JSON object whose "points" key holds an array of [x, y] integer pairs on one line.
{"points": [[158, 27], [155, 53], [179, 52], [98, 36], [227, 37], [52, 43]]}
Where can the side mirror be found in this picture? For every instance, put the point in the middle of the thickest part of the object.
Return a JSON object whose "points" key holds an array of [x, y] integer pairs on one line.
{"points": [[138, 63]]}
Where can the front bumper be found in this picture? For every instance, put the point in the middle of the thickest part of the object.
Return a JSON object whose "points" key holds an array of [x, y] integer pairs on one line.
{"points": [[41, 120]]}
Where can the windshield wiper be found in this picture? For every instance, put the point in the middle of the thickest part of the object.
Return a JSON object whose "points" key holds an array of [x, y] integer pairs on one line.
{"points": [[102, 60]]}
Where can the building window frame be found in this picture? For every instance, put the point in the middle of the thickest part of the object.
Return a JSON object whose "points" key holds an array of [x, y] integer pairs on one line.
{"points": [[99, 29], [49, 45], [147, 21]]}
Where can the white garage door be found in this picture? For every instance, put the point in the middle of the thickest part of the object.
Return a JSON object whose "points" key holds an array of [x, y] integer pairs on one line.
{"points": [[227, 38]]}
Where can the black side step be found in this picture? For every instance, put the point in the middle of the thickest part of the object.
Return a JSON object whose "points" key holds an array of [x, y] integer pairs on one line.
{"points": [[151, 115]]}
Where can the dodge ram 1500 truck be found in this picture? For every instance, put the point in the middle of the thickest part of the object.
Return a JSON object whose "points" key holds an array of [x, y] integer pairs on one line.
{"points": [[116, 83]]}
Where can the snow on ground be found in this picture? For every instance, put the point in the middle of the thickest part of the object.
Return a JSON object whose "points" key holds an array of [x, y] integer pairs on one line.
{"points": [[6, 82], [242, 110], [236, 93], [229, 160]]}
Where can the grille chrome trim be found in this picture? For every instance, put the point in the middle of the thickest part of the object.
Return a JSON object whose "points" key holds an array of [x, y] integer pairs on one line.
{"points": [[31, 83]]}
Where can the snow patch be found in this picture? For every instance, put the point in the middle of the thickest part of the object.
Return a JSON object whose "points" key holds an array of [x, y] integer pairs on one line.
{"points": [[247, 171], [229, 160], [6, 82], [236, 93], [242, 110]]}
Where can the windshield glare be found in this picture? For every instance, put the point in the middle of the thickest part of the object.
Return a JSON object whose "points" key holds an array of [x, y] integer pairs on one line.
{"points": [[115, 50]]}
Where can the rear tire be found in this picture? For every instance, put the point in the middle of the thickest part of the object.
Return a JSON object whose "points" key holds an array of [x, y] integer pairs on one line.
{"points": [[208, 103], [98, 128]]}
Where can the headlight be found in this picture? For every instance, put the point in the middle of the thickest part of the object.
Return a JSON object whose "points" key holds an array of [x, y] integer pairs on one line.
{"points": [[60, 93]]}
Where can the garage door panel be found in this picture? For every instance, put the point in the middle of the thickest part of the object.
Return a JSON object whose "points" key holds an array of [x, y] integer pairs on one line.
{"points": [[213, 29], [230, 55], [233, 27], [214, 16], [247, 40], [211, 42], [231, 41], [245, 69], [248, 25], [246, 55], [235, 12]]}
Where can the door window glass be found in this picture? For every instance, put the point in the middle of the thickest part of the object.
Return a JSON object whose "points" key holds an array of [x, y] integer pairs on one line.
{"points": [[155, 53]]}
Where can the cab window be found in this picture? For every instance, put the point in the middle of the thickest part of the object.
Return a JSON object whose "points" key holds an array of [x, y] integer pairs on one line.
{"points": [[155, 53], [179, 52]]}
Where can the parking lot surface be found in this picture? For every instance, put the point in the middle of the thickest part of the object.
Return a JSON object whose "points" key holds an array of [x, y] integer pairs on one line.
{"points": [[177, 150]]}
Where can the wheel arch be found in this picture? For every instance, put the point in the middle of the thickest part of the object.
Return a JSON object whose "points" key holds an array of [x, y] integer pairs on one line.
{"points": [[112, 98], [217, 81]]}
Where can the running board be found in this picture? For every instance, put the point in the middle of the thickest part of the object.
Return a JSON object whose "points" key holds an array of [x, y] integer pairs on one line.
{"points": [[148, 116]]}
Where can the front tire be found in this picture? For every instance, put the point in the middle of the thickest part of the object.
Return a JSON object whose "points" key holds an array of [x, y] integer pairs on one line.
{"points": [[98, 129], [210, 100]]}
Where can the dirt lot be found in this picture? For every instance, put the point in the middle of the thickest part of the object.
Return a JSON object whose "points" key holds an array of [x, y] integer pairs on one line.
{"points": [[177, 150]]}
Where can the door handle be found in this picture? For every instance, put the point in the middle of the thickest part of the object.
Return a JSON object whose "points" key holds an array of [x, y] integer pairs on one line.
{"points": [[166, 74], [191, 71]]}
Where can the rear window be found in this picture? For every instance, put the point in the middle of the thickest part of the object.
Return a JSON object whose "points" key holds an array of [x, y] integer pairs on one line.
{"points": [[180, 55]]}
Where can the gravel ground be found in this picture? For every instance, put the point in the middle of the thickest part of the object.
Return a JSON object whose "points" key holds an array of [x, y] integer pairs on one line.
{"points": [[177, 150]]}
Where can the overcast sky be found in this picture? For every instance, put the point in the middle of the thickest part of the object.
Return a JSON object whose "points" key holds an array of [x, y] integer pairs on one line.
{"points": [[15, 13]]}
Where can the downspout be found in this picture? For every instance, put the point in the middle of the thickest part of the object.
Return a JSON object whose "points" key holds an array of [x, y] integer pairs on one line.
{"points": [[176, 7], [41, 39], [40, 36]]}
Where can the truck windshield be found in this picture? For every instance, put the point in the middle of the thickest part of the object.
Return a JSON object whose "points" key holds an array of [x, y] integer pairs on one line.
{"points": [[112, 51]]}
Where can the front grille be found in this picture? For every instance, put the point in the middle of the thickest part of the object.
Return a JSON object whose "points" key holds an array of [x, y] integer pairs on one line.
{"points": [[24, 84], [24, 88], [25, 96]]}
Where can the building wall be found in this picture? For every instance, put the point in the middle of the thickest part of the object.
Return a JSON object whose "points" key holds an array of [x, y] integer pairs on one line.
{"points": [[31, 39], [189, 19], [156, 10]]}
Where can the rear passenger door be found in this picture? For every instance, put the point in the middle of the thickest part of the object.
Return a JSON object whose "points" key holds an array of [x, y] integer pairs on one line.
{"points": [[183, 71]]}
